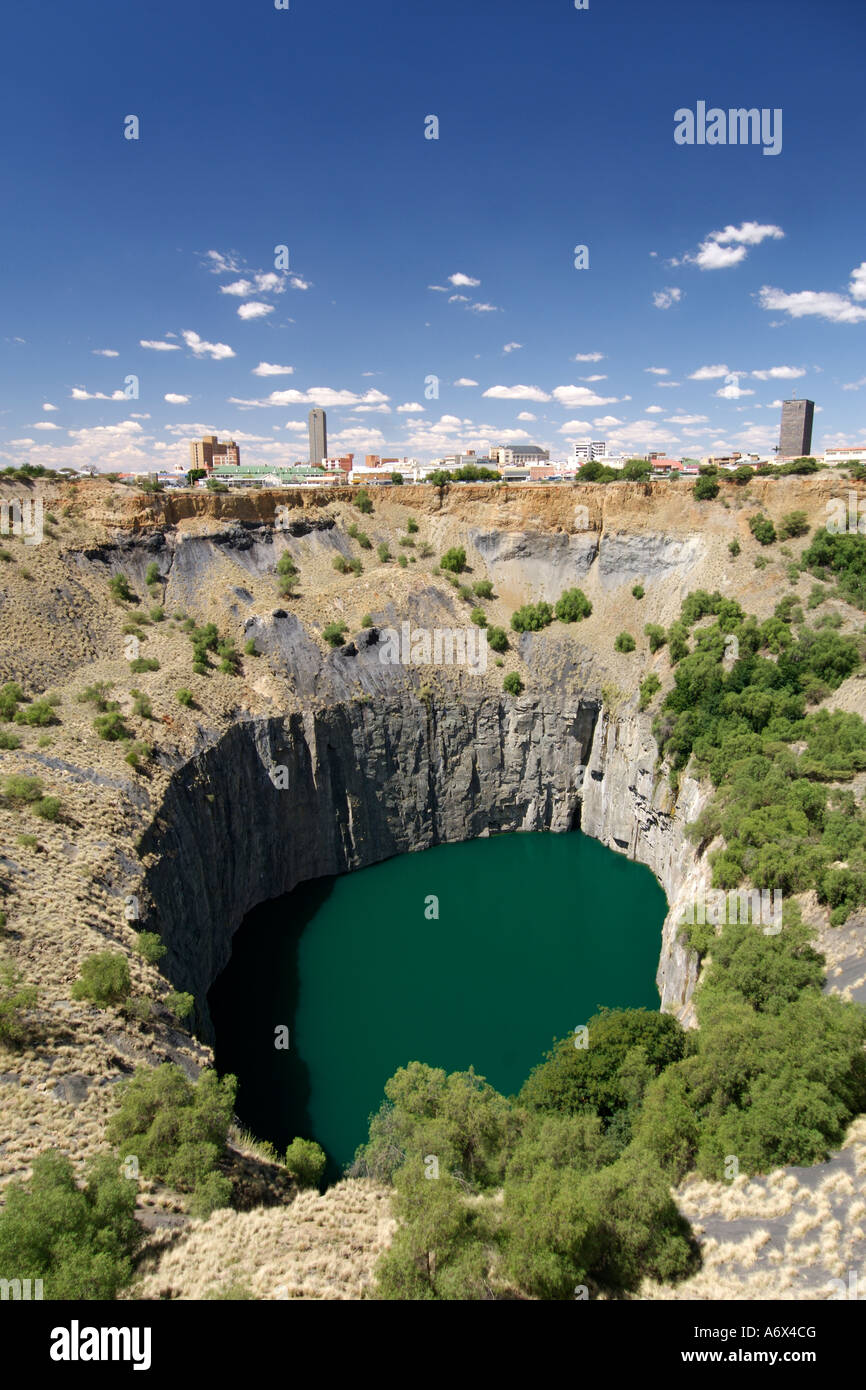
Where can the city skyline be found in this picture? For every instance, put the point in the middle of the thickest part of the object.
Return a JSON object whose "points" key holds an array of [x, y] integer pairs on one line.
{"points": [[671, 309]]}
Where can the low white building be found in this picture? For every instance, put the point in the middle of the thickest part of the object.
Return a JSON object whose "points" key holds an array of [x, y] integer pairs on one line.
{"points": [[857, 452]]}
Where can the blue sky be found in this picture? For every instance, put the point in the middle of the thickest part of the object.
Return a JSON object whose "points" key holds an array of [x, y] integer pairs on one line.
{"points": [[720, 279]]}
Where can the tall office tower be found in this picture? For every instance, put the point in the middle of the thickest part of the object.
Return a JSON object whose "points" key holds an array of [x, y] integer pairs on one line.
{"points": [[318, 436], [795, 440]]}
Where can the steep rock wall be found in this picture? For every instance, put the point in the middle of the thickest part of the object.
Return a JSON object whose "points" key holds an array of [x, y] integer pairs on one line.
{"points": [[276, 802]]}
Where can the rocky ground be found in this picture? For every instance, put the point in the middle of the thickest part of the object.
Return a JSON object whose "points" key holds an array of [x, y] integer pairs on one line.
{"points": [[67, 885]]}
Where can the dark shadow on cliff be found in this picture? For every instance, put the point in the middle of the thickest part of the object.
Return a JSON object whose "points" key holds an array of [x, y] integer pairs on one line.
{"points": [[255, 995]]}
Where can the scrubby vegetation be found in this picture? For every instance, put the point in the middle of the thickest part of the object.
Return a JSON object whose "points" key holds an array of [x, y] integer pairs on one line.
{"points": [[785, 826], [177, 1130], [306, 1161], [532, 617], [78, 1240], [16, 997], [104, 979], [333, 633], [454, 559], [572, 606], [568, 1183]]}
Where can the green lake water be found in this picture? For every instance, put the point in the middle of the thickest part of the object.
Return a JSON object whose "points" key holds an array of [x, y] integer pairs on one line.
{"points": [[534, 932]]}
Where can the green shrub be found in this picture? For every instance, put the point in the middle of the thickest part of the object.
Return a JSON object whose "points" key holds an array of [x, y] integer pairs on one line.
{"points": [[638, 591], [366, 621], [497, 639], [179, 1003], [624, 642], [47, 808], [18, 787], [143, 663], [465, 593], [15, 998], [110, 726], [649, 686], [80, 1241], [37, 714], [9, 741], [10, 696], [363, 501], [141, 706], [286, 565], [512, 685], [532, 617], [138, 752], [705, 489], [762, 529], [104, 979], [483, 588], [28, 842], [454, 560], [412, 526], [150, 945], [677, 643], [734, 547], [152, 574], [333, 633], [478, 617], [176, 1129], [402, 562], [119, 588], [341, 565], [794, 524], [250, 647], [657, 636], [306, 1161], [407, 541], [157, 615], [383, 552], [572, 606]]}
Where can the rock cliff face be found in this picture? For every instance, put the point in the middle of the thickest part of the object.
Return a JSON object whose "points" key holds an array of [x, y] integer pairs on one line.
{"points": [[279, 801], [276, 802]]}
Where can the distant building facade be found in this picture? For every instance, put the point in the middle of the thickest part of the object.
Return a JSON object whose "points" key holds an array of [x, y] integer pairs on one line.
{"points": [[855, 452], [795, 439], [587, 449], [519, 456], [318, 435], [205, 452]]}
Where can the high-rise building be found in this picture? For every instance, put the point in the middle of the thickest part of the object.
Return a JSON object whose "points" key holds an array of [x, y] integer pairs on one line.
{"points": [[589, 449], [204, 452], [795, 440], [318, 436]]}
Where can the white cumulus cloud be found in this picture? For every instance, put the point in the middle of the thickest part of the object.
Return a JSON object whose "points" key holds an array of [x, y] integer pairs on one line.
{"points": [[517, 393], [571, 396], [200, 348], [272, 369], [663, 299], [255, 309]]}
